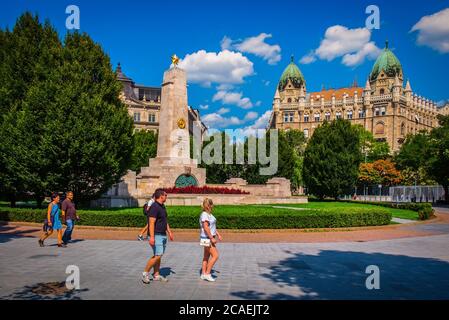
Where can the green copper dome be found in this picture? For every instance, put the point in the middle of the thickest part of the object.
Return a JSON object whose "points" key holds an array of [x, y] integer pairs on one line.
{"points": [[387, 62], [293, 74]]}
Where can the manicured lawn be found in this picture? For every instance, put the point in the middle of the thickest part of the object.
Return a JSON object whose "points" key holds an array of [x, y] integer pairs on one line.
{"points": [[397, 213]]}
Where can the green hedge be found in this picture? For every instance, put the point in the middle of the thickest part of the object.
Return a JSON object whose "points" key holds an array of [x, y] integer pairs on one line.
{"points": [[425, 210], [262, 218]]}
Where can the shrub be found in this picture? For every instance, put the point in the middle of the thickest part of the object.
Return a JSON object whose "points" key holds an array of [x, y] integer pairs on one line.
{"points": [[236, 217], [204, 190], [425, 210]]}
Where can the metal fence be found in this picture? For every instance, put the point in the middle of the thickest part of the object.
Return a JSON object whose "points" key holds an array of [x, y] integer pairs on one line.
{"points": [[397, 193], [416, 193]]}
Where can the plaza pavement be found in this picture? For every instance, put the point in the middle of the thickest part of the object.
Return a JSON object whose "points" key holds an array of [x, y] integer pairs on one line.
{"points": [[410, 268]]}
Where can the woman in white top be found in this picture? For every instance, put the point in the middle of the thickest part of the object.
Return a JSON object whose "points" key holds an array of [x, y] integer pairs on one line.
{"points": [[208, 225]]}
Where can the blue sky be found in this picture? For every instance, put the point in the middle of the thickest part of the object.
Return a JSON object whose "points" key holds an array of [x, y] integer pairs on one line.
{"points": [[235, 51]]}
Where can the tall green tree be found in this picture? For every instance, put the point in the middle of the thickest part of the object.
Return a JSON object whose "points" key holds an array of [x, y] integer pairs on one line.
{"points": [[64, 124], [371, 149], [145, 147], [331, 159]]}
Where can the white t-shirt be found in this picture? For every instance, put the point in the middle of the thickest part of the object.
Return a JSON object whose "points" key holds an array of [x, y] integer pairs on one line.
{"points": [[212, 224]]}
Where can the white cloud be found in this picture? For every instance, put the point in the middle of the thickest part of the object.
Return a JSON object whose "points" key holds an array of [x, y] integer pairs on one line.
{"points": [[353, 45], [258, 103], [225, 86], [204, 107], [251, 115], [216, 120], [233, 98], [433, 31], [369, 50], [266, 82], [260, 123], [223, 110], [224, 67], [308, 58], [255, 45]]}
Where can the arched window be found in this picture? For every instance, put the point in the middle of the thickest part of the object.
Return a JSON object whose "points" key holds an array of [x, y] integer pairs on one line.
{"points": [[289, 100], [402, 129], [327, 116], [349, 114], [379, 128], [306, 118], [338, 115], [382, 91], [317, 117]]}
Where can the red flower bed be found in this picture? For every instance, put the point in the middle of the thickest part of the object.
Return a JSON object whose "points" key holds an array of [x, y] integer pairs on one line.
{"points": [[205, 190]]}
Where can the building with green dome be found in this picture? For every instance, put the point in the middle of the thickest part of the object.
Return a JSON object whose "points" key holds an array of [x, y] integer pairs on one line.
{"points": [[385, 106]]}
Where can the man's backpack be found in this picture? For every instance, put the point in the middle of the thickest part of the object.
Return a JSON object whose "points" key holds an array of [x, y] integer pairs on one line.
{"points": [[146, 209]]}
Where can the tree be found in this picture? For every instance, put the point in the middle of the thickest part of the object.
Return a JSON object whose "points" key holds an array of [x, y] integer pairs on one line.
{"points": [[331, 159], [371, 148], [379, 172], [413, 158], [69, 128], [145, 147], [438, 166]]}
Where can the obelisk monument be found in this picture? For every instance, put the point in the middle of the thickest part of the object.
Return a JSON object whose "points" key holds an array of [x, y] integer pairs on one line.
{"points": [[172, 165]]}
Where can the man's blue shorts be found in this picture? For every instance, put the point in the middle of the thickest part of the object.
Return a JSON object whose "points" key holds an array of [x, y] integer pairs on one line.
{"points": [[160, 242]]}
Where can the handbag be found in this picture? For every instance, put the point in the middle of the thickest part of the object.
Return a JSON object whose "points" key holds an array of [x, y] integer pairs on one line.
{"points": [[205, 242]]}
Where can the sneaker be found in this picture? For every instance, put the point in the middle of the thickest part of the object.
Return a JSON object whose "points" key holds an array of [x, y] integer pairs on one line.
{"points": [[160, 278], [140, 237], [41, 243], [209, 278], [203, 276], [145, 278], [62, 245]]}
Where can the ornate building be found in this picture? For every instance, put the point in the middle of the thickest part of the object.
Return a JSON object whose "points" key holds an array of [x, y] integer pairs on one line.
{"points": [[144, 104], [384, 106]]}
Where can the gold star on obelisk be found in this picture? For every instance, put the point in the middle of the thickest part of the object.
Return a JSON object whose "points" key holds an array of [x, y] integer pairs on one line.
{"points": [[174, 60]]}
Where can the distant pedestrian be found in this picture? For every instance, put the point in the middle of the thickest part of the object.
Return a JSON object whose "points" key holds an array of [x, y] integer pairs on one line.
{"points": [[69, 216], [159, 228], [208, 239], [53, 222], [146, 210]]}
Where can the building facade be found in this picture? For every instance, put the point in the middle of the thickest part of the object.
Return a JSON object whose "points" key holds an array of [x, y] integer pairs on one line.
{"points": [[144, 105], [384, 106]]}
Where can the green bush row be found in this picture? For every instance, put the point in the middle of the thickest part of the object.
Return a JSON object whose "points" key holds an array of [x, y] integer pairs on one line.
{"points": [[425, 210], [281, 219]]}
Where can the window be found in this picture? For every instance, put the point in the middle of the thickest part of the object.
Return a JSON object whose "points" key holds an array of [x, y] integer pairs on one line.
{"points": [[382, 111], [362, 113], [289, 100], [317, 117], [152, 118], [327, 116], [306, 133], [349, 114], [382, 91], [306, 118], [338, 115], [402, 129], [377, 112], [288, 116], [136, 116], [379, 128]]}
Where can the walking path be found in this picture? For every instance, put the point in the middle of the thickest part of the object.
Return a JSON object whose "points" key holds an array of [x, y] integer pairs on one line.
{"points": [[411, 267]]}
